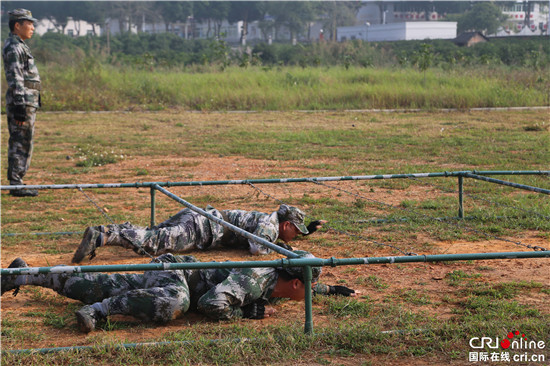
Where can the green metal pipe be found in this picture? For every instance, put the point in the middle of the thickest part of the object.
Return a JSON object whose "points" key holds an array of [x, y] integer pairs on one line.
{"points": [[153, 204], [460, 197], [286, 180], [231, 227], [308, 276], [510, 184], [512, 172], [284, 262]]}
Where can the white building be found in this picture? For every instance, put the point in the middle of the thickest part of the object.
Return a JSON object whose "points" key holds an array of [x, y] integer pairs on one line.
{"points": [[516, 12], [73, 28], [399, 31]]}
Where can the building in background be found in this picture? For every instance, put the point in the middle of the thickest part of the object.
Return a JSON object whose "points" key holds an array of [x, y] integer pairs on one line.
{"points": [[399, 31], [521, 15], [375, 21]]}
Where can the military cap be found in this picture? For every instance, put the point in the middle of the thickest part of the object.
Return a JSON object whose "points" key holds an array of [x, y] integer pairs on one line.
{"points": [[298, 272], [21, 14], [293, 215]]}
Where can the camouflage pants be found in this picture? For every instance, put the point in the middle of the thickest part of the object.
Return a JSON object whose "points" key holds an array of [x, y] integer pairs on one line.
{"points": [[20, 144], [158, 296], [187, 230]]}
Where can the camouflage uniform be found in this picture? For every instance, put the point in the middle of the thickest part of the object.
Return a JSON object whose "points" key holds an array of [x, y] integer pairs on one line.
{"points": [[23, 84], [189, 230], [164, 295]]}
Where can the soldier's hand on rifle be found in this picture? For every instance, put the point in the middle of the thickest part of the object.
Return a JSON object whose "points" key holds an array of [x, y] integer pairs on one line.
{"points": [[314, 226]]}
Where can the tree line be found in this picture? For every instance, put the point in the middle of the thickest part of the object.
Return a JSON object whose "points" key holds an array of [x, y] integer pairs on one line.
{"points": [[169, 50], [296, 16]]}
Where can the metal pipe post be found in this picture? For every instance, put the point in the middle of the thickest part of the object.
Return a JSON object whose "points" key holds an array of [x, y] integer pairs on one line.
{"points": [[308, 327], [153, 203], [460, 197]]}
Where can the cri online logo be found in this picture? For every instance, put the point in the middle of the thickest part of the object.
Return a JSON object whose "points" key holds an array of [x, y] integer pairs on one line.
{"points": [[520, 342], [505, 343]]}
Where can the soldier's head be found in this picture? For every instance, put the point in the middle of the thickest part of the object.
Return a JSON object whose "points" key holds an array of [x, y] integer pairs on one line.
{"points": [[21, 23], [291, 222], [291, 279]]}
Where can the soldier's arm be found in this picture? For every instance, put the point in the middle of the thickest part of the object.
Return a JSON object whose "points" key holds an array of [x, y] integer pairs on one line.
{"points": [[14, 66], [219, 304], [242, 287], [265, 230], [225, 300]]}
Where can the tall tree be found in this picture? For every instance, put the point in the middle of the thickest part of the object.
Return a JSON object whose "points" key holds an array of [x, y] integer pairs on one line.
{"points": [[338, 13], [293, 15], [483, 17], [245, 11], [174, 11], [214, 13]]}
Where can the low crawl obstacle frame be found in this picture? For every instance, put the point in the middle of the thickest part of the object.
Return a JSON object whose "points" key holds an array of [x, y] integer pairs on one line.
{"points": [[292, 259]]}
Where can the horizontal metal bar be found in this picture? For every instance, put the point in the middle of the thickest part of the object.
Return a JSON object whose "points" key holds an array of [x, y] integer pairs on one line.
{"points": [[512, 172], [509, 184], [266, 181], [284, 262], [231, 227]]}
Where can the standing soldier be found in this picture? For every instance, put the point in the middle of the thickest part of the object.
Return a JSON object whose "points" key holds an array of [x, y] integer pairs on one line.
{"points": [[22, 97]]}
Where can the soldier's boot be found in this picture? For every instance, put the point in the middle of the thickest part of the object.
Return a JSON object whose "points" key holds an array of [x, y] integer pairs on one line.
{"points": [[8, 282], [87, 318], [93, 238], [24, 192]]}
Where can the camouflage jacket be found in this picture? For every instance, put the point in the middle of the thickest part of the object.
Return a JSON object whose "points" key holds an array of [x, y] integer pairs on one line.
{"points": [[21, 73], [221, 293], [264, 225], [240, 287]]}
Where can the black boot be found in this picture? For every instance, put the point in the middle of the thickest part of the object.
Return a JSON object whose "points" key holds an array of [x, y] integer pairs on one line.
{"points": [[8, 281]]}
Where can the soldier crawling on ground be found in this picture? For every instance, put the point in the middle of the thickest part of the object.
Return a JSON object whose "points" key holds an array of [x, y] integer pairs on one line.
{"points": [[189, 230], [161, 296]]}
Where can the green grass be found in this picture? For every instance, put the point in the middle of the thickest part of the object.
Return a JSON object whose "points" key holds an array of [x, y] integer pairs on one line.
{"points": [[291, 88], [173, 145], [373, 281], [355, 329]]}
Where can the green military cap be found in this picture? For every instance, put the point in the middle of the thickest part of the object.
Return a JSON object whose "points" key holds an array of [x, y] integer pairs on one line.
{"points": [[294, 215], [21, 14], [298, 272]]}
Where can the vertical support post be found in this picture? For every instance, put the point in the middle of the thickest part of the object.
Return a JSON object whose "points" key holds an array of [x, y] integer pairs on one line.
{"points": [[460, 197], [153, 192], [308, 328]]}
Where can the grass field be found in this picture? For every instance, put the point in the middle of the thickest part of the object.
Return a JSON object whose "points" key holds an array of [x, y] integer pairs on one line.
{"points": [[436, 308], [91, 86]]}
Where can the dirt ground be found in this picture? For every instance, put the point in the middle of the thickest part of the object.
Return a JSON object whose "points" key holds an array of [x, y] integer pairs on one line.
{"points": [[425, 277]]}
